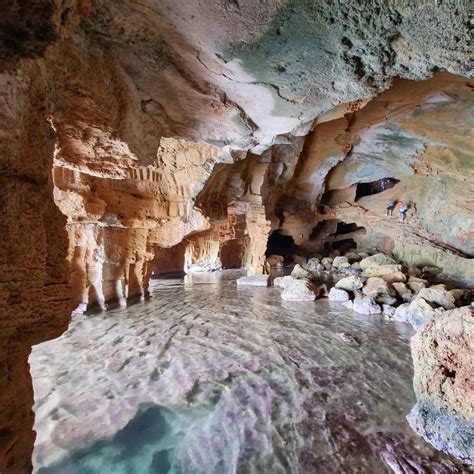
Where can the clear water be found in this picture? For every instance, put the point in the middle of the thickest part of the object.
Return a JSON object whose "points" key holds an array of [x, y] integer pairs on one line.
{"points": [[210, 378]]}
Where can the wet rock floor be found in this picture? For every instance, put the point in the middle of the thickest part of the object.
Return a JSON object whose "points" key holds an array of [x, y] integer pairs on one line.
{"points": [[209, 378]]}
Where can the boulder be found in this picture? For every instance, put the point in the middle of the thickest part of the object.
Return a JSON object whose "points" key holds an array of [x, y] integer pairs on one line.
{"points": [[300, 272], [340, 263], [439, 295], [443, 361], [337, 294], [326, 262], [356, 266], [299, 290], [403, 291], [366, 305], [378, 286], [281, 282], [376, 260], [254, 280], [350, 283]]}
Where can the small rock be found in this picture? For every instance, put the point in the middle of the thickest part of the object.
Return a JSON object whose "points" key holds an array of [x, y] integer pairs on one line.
{"points": [[349, 339], [350, 283], [340, 262], [299, 260], [336, 294], [313, 265], [419, 312], [326, 262]]}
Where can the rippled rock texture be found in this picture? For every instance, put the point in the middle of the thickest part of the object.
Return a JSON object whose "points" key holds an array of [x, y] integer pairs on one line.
{"points": [[210, 377]]}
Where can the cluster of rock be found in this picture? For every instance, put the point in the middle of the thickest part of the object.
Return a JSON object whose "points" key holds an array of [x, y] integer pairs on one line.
{"points": [[374, 284]]}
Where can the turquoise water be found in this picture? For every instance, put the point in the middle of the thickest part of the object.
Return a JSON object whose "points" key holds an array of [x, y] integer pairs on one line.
{"points": [[210, 378]]}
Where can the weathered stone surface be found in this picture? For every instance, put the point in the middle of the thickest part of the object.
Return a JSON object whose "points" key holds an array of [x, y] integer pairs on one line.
{"points": [[299, 290], [443, 358], [419, 312], [403, 291], [338, 294]]}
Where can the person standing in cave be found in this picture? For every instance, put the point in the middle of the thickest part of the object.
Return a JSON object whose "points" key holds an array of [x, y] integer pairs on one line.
{"points": [[390, 207], [403, 212]]}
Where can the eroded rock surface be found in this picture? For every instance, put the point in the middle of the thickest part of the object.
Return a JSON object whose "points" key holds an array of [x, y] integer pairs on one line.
{"points": [[443, 357]]}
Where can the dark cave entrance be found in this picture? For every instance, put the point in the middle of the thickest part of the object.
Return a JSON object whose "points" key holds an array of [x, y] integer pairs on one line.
{"points": [[344, 245], [279, 244], [375, 187]]}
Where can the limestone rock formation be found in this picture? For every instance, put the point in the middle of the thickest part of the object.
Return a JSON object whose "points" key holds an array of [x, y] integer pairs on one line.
{"points": [[180, 135], [443, 357]]}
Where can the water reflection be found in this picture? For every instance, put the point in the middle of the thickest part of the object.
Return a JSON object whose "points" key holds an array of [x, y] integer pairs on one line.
{"points": [[210, 378]]}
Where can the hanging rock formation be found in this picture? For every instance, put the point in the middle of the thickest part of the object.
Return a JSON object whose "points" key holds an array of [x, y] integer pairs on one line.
{"points": [[201, 127]]}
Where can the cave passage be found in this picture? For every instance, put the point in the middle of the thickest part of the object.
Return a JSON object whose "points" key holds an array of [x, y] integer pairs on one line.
{"points": [[375, 187], [279, 244]]}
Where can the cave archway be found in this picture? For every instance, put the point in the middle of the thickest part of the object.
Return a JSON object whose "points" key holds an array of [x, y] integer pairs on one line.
{"points": [[280, 244], [375, 187]]}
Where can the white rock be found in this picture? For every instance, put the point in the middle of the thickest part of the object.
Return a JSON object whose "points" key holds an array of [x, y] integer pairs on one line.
{"points": [[299, 290], [337, 294], [350, 283]]}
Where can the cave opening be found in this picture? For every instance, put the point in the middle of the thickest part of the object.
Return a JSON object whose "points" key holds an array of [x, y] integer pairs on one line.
{"points": [[231, 254], [344, 245], [375, 187], [280, 244]]}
